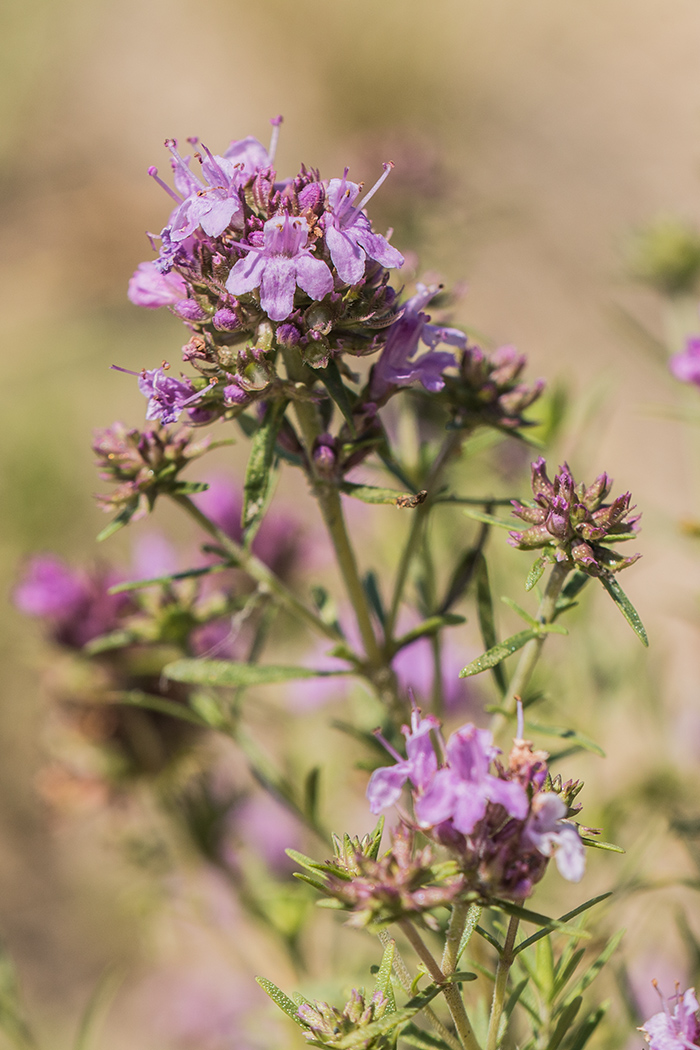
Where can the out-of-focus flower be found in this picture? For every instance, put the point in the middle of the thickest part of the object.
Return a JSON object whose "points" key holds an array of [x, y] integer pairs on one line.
{"points": [[279, 540], [574, 522], [398, 366], [75, 604], [487, 389], [686, 366], [348, 231], [279, 266], [150, 288], [677, 1030]]}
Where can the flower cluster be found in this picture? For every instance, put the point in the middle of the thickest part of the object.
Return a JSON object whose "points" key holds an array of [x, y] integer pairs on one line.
{"points": [[248, 259], [677, 1030], [404, 882], [488, 389], [574, 523], [144, 464], [686, 365], [329, 1026], [501, 827]]}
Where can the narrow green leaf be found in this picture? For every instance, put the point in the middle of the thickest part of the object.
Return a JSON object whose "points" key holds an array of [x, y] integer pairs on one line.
{"points": [[311, 794], [600, 844], [530, 620], [488, 519], [594, 969], [586, 1029], [229, 673], [332, 380], [535, 573], [378, 496], [257, 487], [122, 519], [383, 982], [103, 993], [563, 733], [415, 1036], [283, 1001], [107, 643], [486, 618], [566, 968], [375, 839], [513, 999], [564, 918], [371, 586], [301, 858], [135, 698], [545, 921], [137, 585], [564, 1023], [429, 627], [473, 916], [488, 937], [498, 653], [571, 590], [544, 967], [625, 606], [319, 886]]}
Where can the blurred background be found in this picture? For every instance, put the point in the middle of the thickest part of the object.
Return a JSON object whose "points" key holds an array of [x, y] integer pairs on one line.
{"points": [[530, 142]]}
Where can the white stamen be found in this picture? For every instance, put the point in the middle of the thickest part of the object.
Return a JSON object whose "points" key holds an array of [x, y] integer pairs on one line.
{"points": [[274, 137]]}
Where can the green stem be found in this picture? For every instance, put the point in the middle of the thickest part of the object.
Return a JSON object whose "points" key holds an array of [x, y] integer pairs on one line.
{"points": [[404, 976], [499, 989], [452, 994], [259, 571], [531, 651], [458, 920], [420, 514], [331, 508]]}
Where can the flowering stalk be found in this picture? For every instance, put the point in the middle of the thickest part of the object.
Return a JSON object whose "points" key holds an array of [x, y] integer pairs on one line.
{"points": [[531, 651], [505, 962], [332, 511], [452, 994]]}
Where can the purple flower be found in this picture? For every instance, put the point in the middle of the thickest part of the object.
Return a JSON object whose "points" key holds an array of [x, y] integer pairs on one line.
{"points": [[686, 366], [349, 233], [396, 365], [167, 396], [459, 792], [386, 783], [549, 833], [679, 1030], [279, 266], [49, 589], [150, 288], [76, 605]]}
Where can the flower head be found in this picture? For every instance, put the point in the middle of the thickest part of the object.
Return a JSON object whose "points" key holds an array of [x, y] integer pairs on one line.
{"points": [[398, 366], [487, 388], [144, 464], [501, 826], [677, 1030], [574, 522], [328, 1026]]}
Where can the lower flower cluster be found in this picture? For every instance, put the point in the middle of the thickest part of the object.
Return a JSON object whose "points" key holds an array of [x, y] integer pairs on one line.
{"points": [[500, 827]]}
